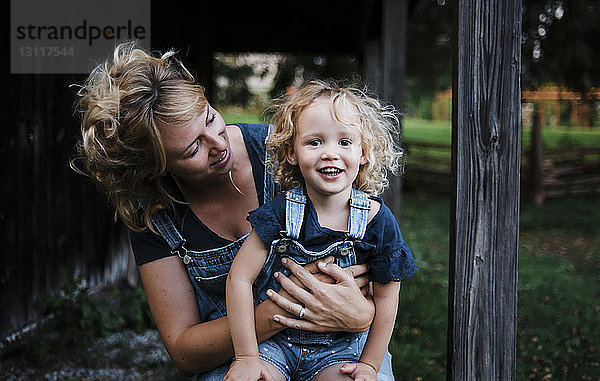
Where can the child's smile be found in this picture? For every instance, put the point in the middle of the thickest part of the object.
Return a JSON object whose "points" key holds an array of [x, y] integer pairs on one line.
{"points": [[330, 171]]}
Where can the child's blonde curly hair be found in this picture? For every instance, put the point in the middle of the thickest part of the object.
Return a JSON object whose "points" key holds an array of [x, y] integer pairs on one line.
{"points": [[379, 128]]}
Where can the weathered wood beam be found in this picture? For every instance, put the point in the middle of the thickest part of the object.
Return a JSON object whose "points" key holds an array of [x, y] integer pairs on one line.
{"points": [[536, 162], [486, 148], [395, 19]]}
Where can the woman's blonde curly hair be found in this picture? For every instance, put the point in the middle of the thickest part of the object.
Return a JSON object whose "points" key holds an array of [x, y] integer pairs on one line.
{"points": [[379, 127], [122, 104]]}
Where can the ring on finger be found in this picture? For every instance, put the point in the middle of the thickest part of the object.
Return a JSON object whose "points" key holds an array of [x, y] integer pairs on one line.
{"points": [[302, 312]]}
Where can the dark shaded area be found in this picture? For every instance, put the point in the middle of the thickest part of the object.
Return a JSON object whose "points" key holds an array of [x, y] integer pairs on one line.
{"points": [[566, 33], [329, 27]]}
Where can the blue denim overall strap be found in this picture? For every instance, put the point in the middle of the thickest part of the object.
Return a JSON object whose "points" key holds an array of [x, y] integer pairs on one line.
{"points": [[295, 202], [359, 211], [163, 222], [271, 188]]}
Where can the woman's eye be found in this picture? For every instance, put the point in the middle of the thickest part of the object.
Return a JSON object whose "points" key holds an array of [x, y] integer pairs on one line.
{"points": [[212, 119], [194, 152]]}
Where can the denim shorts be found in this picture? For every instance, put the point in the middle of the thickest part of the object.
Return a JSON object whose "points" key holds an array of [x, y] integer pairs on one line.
{"points": [[303, 361], [384, 374]]}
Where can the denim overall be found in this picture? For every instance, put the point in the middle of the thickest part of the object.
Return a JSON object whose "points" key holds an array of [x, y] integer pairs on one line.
{"points": [[298, 354], [289, 246]]}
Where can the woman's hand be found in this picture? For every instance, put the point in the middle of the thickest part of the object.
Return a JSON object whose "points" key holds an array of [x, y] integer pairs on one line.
{"points": [[335, 304]]}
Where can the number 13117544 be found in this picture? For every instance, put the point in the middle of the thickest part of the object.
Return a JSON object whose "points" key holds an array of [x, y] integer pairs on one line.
{"points": [[46, 51]]}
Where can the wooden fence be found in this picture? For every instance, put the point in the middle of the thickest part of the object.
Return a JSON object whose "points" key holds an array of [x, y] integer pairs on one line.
{"points": [[553, 106], [565, 171]]}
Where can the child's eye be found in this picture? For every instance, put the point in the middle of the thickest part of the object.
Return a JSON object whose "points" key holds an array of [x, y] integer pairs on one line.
{"points": [[345, 142], [314, 142]]}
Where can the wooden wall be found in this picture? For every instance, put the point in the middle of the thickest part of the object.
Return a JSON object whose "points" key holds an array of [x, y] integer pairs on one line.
{"points": [[52, 220]]}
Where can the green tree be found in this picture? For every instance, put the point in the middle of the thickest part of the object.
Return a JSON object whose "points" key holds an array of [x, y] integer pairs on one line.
{"points": [[231, 86]]}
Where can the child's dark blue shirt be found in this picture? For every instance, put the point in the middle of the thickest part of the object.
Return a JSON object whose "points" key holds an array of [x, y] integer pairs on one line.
{"points": [[382, 248]]}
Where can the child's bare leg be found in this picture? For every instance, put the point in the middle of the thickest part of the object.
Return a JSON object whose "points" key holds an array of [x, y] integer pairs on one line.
{"points": [[276, 373], [332, 372]]}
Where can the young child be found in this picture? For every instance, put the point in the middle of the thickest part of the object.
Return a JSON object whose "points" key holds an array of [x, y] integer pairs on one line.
{"points": [[331, 148]]}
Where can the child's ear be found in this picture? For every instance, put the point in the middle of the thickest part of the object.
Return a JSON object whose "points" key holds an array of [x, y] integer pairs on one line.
{"points": [[363, 158], [291, 155]]}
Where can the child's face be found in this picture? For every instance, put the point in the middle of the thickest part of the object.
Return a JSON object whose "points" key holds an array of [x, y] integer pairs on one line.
{"points": [[328, 153]]}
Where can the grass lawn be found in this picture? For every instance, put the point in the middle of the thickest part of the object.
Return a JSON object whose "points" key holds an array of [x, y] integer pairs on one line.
{"points": [[559, 291], [428, 131], [231, 117]]}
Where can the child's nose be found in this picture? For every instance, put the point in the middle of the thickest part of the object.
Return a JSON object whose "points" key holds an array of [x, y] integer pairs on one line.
{"points": [[330, 154]]}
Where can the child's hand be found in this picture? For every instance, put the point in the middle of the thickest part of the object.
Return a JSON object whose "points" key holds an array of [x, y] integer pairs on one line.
{"points": [[359, 371], [248, 369]]}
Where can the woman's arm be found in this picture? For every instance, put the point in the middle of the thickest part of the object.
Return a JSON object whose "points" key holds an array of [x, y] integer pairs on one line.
{"points": [[338, 305], [194, 348]]}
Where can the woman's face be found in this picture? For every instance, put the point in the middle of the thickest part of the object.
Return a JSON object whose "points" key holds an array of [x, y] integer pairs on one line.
{"points": [[199, 149]]}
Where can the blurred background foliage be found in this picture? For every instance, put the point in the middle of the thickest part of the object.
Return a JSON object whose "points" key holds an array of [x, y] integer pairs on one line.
{"points": [[559, 47]]}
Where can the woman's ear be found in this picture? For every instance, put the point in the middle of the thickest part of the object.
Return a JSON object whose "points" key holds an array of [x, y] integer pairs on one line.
{"points": [[291, 155]]}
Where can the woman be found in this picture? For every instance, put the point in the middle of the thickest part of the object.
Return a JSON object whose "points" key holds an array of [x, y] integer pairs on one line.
{"points": [[184, 182]]}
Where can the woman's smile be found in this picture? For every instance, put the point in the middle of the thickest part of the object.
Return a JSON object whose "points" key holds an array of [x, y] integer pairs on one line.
{"points": [[222, 160]]}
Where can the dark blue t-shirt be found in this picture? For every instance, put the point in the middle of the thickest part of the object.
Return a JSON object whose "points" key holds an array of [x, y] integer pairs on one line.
{"points": [[148, 246], [382, 247]]}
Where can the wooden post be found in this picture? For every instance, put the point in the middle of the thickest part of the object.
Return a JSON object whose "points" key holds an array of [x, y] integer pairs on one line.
{"points": [[372, 66], [536, 161], [435, 108], [585, 114], [541, 110], [574, 113], [556, 113], [395, 18], [485, 211]]}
